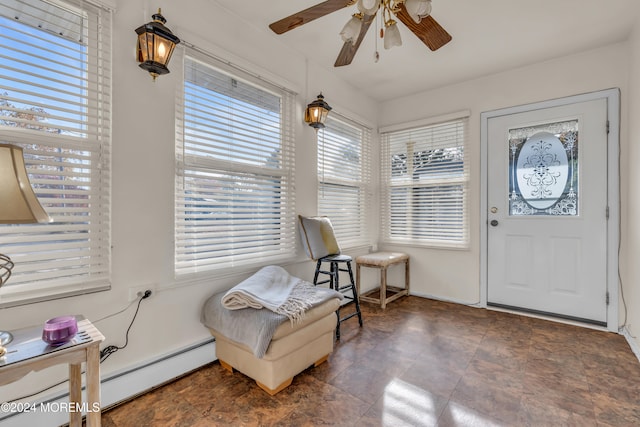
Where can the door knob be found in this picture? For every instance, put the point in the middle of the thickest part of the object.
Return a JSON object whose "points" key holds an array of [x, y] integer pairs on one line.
{"points": [[494, 222]]}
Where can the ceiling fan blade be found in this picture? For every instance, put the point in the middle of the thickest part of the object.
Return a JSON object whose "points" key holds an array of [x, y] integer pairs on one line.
{"points": [[349, 49], [308, 15], [428, 30]]}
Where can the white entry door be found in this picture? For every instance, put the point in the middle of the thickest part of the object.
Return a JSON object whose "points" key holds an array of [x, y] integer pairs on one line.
{"points": [[547, 203]]}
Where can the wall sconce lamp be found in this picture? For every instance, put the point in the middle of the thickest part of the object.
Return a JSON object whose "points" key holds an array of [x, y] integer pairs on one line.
{"points": [[155, 46], [18, 205], [316, 113]]}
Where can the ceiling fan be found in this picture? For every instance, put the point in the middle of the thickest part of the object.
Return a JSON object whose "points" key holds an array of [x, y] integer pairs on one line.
{"points": [[415, 14]]}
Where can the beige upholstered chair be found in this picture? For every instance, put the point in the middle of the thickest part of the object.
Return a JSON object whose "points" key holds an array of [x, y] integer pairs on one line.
{"points": [[293, 348], [270, 345]]}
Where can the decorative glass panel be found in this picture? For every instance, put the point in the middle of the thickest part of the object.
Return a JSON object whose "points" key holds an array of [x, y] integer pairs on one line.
{"points": [[543, 169]]}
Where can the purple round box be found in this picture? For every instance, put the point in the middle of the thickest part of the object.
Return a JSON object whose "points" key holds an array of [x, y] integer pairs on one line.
{"points": [[59, 330]]}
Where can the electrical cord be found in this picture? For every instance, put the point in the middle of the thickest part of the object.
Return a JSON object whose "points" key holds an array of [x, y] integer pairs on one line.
{"points": [[38, 392], [620, 282], [105, 353], [108, 351]]}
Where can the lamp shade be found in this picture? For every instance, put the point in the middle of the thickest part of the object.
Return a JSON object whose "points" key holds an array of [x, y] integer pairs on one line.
{"points": [[18, 205], [392, 36], [368, 7], [418, 9], [155, 46], [351, 30], [317, 112], [18, 202]]}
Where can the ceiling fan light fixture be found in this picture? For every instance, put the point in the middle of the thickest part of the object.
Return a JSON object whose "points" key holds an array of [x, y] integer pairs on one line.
{"points": [[368, 7], [391, 35], [427, 30], [351, 30], [418, 9]]}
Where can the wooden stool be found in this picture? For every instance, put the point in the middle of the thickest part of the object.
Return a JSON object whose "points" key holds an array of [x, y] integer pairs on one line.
{"points": [[383, 260]]}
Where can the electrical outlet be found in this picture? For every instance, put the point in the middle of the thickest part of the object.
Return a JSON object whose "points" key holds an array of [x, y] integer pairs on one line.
{"points": [[138, 291]]}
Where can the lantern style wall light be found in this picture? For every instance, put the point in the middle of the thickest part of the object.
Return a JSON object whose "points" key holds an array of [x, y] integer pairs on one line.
{"points": [[155, 46], [316, 113]]}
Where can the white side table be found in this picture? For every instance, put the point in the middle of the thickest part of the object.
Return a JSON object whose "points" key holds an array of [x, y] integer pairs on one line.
{"points": [[27, 352]]}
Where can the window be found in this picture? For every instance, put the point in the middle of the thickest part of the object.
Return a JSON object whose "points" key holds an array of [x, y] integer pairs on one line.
{"points": [[425, 183], [343, 175], [55, 73], [234, 183]]}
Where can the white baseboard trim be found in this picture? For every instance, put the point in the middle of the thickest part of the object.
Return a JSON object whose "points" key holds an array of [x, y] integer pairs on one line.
{"points": [[451, 300], [548, 318], [632, 342], [119, 386]]}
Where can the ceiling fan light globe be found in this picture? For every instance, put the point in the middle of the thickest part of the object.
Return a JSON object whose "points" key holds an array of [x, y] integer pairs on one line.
{"points": [[392, 37], [351, 30], [418, 9], [368, 7]]}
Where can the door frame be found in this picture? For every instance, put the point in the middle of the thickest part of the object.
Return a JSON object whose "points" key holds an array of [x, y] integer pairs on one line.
{"points": [[613, 189]]}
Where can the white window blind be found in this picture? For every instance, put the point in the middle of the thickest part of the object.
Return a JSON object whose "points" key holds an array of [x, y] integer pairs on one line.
{"points": [[55, 101], [344, 178], [425, 181], [234, 186]]}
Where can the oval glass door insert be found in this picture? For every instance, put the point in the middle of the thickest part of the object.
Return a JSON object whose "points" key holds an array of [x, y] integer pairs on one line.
{"points": [[543, 169]]}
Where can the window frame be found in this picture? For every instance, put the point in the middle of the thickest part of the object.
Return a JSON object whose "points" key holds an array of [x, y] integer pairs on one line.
{"points": [[336, 191], [71, 255], [418, 190], [279, 244]]}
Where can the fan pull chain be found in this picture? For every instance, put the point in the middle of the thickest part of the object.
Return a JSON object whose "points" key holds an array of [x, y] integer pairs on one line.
{"points": [[376, 54]]}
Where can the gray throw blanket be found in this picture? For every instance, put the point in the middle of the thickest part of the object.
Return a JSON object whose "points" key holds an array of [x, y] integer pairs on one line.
{"points": [[255, 327], [274, 288]]}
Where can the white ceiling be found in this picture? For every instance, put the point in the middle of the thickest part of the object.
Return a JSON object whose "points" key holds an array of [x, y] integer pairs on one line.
{"points": [[488, 36]]}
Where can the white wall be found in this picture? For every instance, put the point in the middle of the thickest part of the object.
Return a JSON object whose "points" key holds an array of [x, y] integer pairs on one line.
{"points": [[143, 135], [454, 275], [143, 182], [631, 196]]}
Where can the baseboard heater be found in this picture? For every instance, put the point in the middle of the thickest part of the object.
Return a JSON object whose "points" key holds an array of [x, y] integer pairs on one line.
{"points": [[125, 385]]}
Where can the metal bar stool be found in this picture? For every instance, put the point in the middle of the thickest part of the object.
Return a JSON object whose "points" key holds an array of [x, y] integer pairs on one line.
{"points": [[334, 283], [321, 246]]}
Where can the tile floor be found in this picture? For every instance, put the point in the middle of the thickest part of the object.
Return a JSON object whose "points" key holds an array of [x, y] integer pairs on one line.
{"points": [[422, 363]]}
